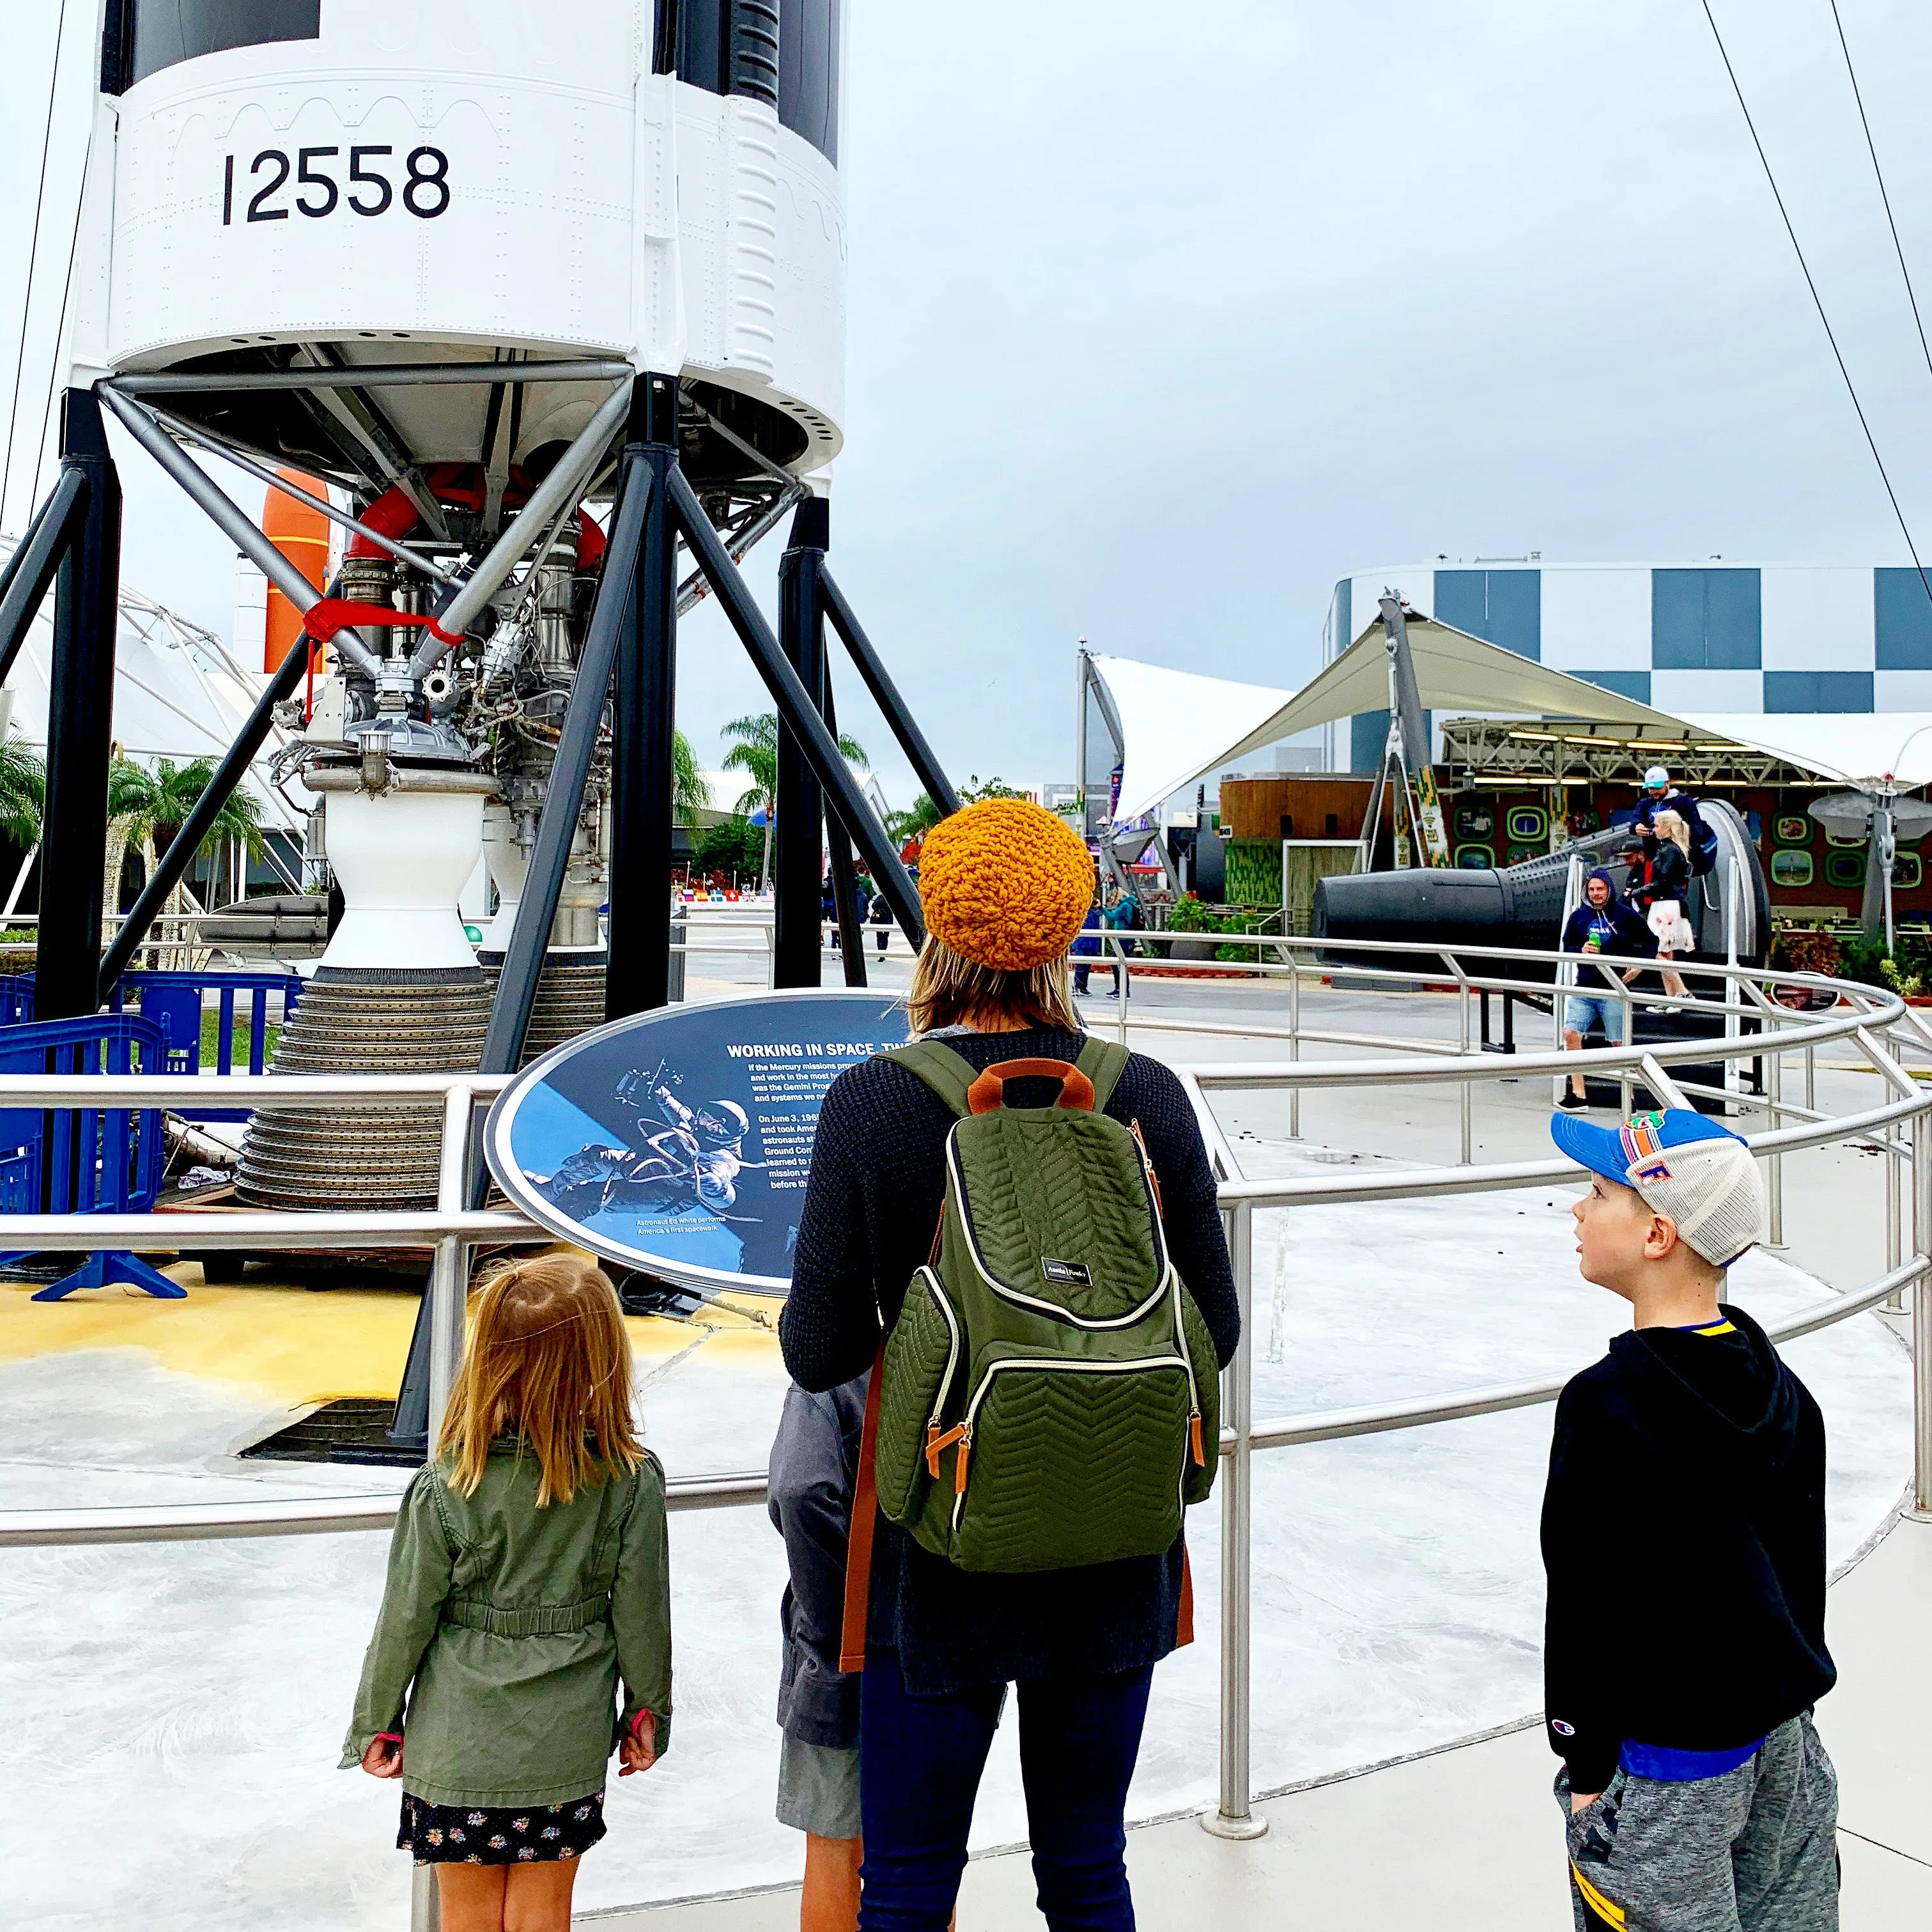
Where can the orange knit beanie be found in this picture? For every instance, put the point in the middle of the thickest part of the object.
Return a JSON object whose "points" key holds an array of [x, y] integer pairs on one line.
{"points": [[1005, 883]]}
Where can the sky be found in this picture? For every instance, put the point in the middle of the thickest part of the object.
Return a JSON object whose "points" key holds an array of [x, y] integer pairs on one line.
{"points": [[1159, 320]]}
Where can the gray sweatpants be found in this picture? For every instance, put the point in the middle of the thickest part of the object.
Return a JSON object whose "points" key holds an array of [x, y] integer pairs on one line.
{"points": [[1755, 1850]]}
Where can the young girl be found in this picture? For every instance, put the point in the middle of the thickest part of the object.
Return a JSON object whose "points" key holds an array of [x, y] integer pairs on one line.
{"points": [[529, 1574]]}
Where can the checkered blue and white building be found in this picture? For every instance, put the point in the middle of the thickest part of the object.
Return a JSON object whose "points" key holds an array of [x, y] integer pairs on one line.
{"points": [[1716, 637]]}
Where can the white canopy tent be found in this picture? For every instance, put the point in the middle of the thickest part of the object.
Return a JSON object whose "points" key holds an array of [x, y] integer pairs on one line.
{"points": [[1854, 747], [1179, 725], [178, 694]]}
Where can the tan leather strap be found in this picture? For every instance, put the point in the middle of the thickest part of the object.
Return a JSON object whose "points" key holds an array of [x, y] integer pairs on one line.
{"points": [[987, 1093], [859, 1538], [1184, 1632]]}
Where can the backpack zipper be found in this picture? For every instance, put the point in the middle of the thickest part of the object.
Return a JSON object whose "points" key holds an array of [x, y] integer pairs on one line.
{"points": [[1046, 1366], [933, 1441], [1194, 1441], [1052, 1310]]}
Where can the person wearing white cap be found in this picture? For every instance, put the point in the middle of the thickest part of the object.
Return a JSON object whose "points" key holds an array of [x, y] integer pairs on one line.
{"points": [[1659, 794], [1683, 1538]]}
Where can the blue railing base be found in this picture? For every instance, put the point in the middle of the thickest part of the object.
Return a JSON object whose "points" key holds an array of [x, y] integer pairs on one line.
{"points": [[112, 1268]]}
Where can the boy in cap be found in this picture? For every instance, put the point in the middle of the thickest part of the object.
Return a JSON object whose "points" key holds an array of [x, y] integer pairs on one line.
{"points": [[1684, 1538]]}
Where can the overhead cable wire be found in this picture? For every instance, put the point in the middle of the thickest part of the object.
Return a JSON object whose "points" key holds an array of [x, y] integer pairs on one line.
{"points": [[1817, 303], [66, 293], [33, 256], [1911, 293]]}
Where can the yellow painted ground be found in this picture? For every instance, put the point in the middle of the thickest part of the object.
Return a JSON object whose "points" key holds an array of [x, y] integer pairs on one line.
{"points": [[292, 1345]]}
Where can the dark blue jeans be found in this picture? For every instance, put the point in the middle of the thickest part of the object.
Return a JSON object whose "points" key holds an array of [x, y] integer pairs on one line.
{"points": [[920, 1759]]}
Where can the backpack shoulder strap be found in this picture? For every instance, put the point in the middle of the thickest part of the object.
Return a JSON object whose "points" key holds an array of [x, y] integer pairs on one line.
{"points": [[1103, 1061], [947, 1073]]}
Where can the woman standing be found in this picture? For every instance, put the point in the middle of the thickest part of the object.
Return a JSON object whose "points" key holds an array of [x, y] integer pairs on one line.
{"points": [[1006, 887], [1664, 895]]}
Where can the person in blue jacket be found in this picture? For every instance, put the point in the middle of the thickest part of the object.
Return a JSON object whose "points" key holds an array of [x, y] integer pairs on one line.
{"points": [[1086, 950], [1604, 927], [1659, 794]]}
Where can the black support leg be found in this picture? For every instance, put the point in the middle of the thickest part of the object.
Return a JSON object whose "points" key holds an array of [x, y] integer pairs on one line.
{"points": [[797, 710], [797, 879], [643, 728], [838, 850], [80, 716], [23, 585]]}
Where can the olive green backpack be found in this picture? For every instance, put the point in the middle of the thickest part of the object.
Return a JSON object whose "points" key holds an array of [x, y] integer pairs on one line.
{"points": [[1048, 1396]]}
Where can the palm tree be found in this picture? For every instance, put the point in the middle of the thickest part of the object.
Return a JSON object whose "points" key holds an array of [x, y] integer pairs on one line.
{"points": [[153, 806], [690, 793], [23, 800], [756, 754], [915, 823]]}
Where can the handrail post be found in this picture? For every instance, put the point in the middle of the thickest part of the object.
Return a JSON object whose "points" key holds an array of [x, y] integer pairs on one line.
{"points": [[1234, 1818], [1294, 1040], [449, 1271], [1893, 1244], [1733, 887], [1775, 1163], [1566, 976], [1465, 1093], [425, 1902], [1921, 1321]]}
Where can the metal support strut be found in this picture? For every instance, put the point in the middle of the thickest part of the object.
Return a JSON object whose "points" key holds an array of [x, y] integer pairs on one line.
{"points": [[797, 712], [838, 854], [577, 746], [80, 718], [643, 727], [799, 803]]}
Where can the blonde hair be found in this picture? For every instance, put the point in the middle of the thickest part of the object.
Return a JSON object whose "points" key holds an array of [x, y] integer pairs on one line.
{"points": [[547, 1353], [1671, 825], [949, 989]]}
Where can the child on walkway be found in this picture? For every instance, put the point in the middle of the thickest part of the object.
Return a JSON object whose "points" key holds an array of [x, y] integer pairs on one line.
{"points": [[528, 1574], [1684, 1535], [814, 1462]]}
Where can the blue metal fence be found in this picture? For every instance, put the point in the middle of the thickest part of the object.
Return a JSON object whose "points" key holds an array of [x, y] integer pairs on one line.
{"points": [[177, 1001], [85, 1160]]}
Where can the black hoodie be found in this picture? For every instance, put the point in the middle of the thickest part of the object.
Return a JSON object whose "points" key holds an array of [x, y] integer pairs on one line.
{"points": [[1684, 1536]]}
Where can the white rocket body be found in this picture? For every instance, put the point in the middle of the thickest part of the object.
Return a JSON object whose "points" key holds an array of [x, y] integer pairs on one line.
{"points": [[496, 177], [371, 181]]}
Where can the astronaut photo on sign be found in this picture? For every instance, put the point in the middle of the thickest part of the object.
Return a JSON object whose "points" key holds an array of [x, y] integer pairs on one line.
{"points": [[679, 1158]]}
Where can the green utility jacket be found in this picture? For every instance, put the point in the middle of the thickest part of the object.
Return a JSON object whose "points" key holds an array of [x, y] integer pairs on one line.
{"points": [[508, 1627]]}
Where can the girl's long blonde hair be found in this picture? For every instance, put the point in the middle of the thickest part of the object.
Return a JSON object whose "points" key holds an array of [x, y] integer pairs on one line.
{"points": [[548, 1355], [1672, 825], [948, 989]]}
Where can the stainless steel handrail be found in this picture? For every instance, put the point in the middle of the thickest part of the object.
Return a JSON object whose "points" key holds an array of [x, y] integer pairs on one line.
{"points": [[452, 1230]]}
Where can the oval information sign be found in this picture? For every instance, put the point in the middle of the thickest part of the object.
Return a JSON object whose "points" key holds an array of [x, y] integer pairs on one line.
{"points": [[677, 1140]]}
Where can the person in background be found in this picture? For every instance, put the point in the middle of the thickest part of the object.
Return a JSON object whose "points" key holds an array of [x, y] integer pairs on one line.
{"points": [[1636, 871], [1602, 927], [881, 917], [529, 1580], [1120, 919], [1085, 950], [814, 1464], [1684, 1538], [1005, 885], [1667, 888], [1660, 794]]}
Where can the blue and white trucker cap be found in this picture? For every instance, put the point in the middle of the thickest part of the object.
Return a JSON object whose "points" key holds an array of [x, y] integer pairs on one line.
{"points": [[1699, 1173]]}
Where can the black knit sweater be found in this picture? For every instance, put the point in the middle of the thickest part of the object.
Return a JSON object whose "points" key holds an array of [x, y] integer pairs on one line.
{"points": [[871, 1205]]}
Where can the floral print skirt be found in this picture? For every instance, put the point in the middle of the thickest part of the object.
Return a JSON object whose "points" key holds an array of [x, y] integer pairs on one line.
{"points": [[501, 1834]]}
